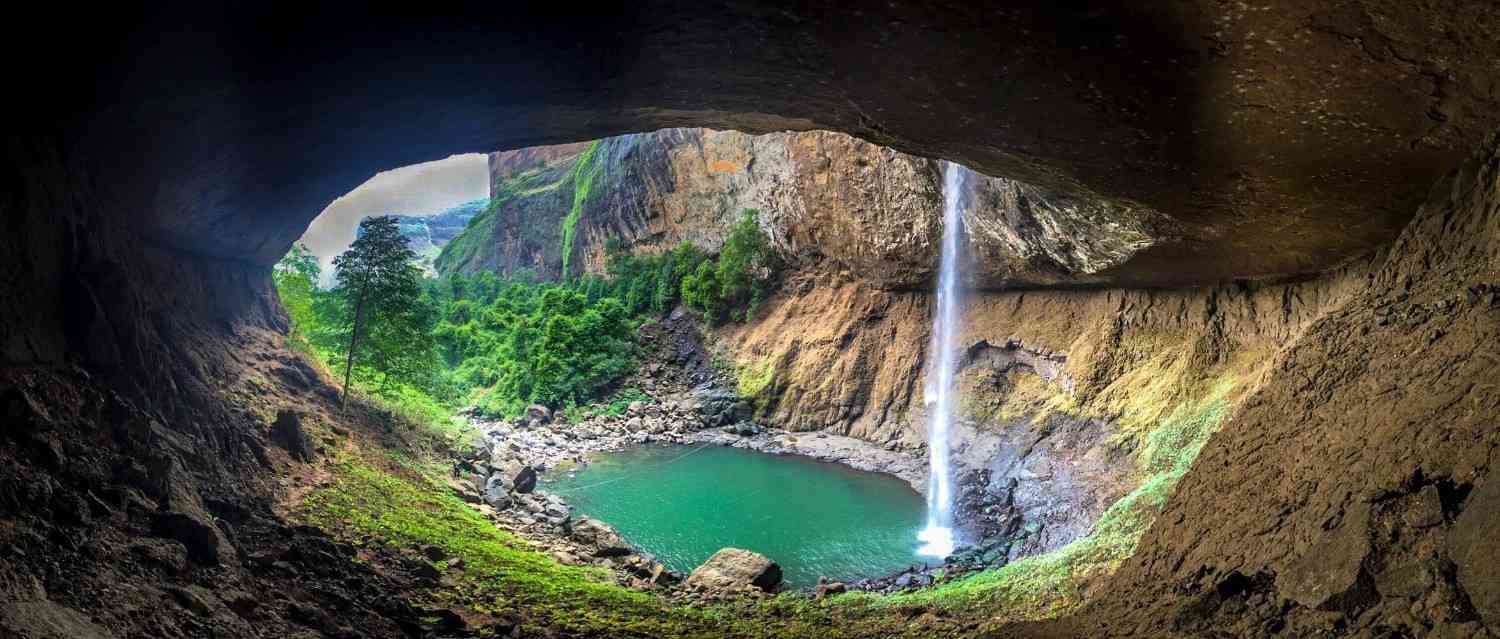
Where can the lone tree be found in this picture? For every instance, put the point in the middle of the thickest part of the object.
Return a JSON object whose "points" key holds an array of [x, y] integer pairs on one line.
{"points": [[381, 314]]}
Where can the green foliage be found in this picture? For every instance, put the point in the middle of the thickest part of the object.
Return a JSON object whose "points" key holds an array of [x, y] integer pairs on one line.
{"points": [[583, 174], [296, 280], [503, 343], [646, 284], [524, 342], [732, 287], [1173, 445]]}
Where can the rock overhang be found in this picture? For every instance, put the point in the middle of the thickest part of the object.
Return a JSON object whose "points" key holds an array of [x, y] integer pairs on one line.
{"points": [[1273, 141]]}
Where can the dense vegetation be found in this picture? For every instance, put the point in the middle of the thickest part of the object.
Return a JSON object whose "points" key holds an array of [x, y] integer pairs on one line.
{"points": [[504, 342]]}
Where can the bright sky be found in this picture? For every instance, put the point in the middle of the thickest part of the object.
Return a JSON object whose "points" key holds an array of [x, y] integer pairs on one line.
{"points": [[418, 189]]}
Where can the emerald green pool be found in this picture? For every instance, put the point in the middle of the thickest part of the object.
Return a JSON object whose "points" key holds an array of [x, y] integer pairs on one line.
{"points": [[683, 503]]}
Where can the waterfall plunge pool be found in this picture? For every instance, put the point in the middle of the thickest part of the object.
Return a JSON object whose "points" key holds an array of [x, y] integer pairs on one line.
{"points": [[683, 503]]}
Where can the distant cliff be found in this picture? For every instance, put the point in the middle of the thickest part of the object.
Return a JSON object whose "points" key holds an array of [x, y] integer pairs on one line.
{"points": [[826, 200], [427, 234]]}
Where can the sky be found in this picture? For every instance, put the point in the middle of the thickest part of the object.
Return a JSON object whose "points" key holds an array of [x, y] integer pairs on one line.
{"points": [[418, 189]]}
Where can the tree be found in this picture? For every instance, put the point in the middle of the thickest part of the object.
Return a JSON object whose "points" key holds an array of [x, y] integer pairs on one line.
{"points": [[296, 279], [382, 308]]}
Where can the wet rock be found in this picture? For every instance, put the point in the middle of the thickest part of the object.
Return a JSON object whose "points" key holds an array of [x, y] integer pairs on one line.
{"points": [[514, 476], [287, 432], [525, 480], [733, 569]]}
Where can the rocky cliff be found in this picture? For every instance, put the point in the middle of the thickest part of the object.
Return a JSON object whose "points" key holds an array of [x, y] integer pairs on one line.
{"points": [[427, 234], [827, 200]]}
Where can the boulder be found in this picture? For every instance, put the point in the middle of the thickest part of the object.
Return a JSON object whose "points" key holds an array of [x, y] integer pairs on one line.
{"points": [[497, 493], [600, 538], [538, 413], [203, 541], [733, 570], [516, 477], [287, 432], [1328, 574], [826, 587]]}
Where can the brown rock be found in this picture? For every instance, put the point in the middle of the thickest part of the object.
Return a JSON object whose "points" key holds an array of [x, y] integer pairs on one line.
{"points": [[1328, 573], [601, 538], [731, 570], [1474, 548]]}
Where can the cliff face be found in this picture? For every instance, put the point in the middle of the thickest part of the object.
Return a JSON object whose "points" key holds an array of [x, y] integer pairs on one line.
{"points": [[1075, 398], [827, 201]]}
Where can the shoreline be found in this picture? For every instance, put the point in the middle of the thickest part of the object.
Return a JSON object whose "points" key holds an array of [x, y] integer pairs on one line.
{"points": [[501, 479]]}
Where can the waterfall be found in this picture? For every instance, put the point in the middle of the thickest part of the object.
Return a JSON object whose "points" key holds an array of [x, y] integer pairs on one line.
{"points": [[942, 364]]}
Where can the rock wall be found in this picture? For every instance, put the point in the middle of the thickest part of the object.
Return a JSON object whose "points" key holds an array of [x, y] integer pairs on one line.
{"points": [[1353, 480], [1066, 392], [827, 200]]}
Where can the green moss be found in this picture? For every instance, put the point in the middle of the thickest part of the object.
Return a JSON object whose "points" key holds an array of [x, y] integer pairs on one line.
{"points": [[583, 174], [753, 378], [1176, 442], [500, 574]]}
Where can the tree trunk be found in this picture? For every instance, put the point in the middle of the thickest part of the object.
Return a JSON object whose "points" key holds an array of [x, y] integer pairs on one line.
{"points": [[359, 308]]}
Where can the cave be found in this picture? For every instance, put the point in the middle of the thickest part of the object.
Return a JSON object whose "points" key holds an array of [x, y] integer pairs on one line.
{"points": [[1232, 310]]}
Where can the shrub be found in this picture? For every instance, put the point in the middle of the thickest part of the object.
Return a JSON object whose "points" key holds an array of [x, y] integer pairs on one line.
{"points": [[732, 286]]}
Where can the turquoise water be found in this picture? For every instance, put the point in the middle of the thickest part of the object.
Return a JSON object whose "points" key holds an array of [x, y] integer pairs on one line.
{"points": [[683, 503]]}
